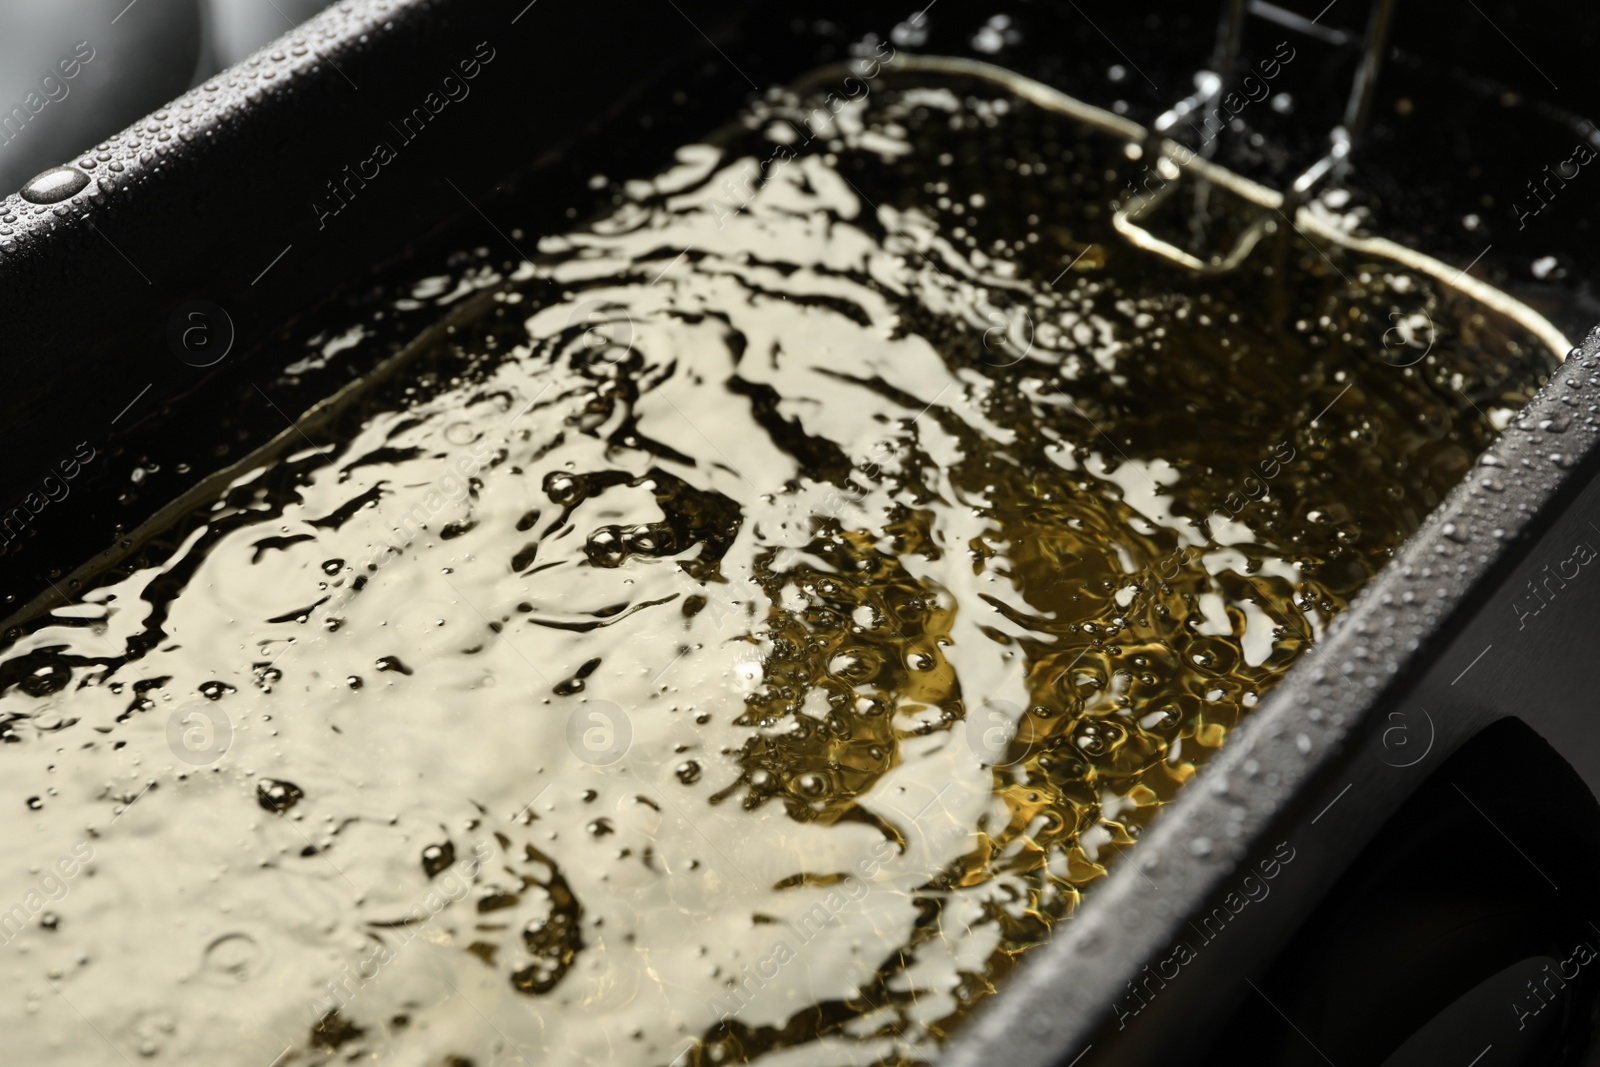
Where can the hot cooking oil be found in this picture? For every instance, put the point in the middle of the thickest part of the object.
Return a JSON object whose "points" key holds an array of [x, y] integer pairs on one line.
{"points": [[739, 635]]}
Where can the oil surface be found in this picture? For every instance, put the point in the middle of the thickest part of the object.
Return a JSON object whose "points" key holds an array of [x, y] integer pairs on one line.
{"points": [[738, 637]]}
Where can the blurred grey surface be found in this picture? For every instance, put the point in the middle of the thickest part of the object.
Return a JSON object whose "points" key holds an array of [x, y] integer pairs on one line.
{"points": [[72, 72]]}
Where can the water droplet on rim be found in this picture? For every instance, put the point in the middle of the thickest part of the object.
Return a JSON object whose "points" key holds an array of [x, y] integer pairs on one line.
{"points": [[54, 185]]}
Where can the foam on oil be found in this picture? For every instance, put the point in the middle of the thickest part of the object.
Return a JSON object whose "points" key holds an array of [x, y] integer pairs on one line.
{"points": [[739, 636]]}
